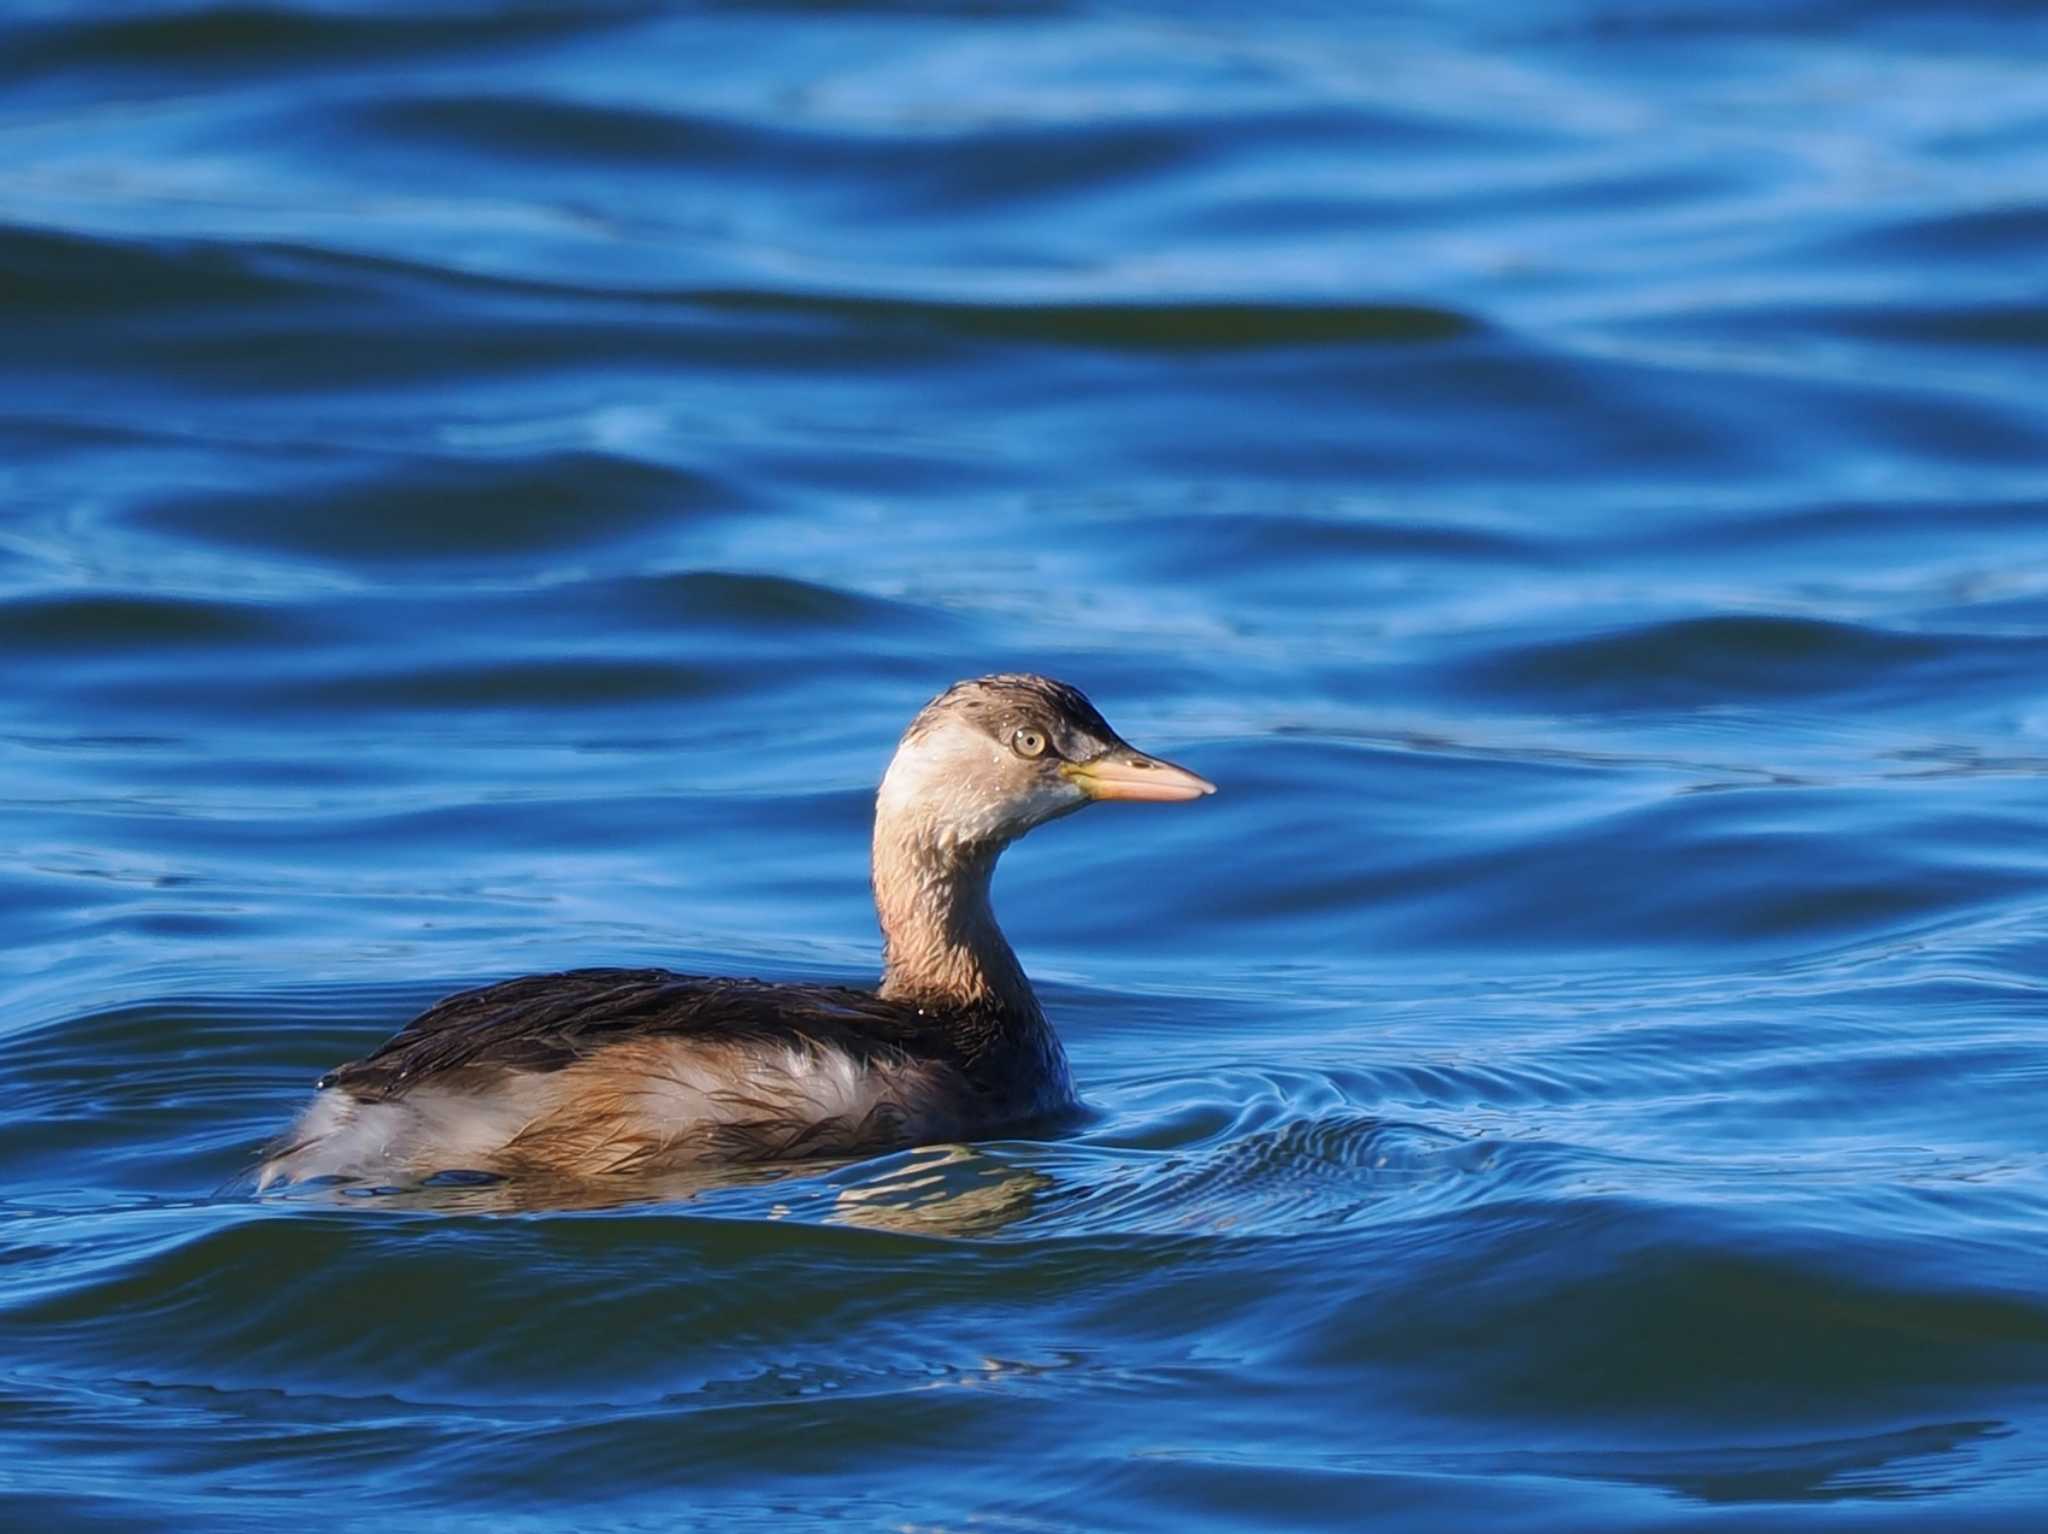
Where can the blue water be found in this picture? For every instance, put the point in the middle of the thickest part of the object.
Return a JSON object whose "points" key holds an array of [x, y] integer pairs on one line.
{"points": [[483, 487]]}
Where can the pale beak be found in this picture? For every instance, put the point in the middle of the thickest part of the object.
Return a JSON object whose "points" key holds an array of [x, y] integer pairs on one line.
{"points": [[1121, 773]]}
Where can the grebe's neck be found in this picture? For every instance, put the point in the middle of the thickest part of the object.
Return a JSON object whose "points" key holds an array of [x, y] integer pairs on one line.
{"points": [[940, 941]]}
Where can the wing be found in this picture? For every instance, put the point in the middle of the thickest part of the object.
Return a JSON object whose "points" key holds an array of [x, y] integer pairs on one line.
{"points": [[547, 1022]]}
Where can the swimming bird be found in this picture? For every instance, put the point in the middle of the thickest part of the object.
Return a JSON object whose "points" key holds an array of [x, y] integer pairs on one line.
{"points": [[593, 1072]]}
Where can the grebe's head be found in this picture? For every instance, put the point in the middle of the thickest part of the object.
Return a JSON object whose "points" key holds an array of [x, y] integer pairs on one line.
{"points": [[987, 760]]}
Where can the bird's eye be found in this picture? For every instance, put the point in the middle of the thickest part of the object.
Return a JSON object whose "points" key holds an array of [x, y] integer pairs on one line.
{"points": [[1029, 742]]}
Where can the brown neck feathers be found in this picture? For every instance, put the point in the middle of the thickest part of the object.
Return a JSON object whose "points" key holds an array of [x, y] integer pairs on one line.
{"points": [[940, 941]]}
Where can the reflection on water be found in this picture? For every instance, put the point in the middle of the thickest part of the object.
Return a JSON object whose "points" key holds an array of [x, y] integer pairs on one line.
{"points": [[947, 1190], [939, 1190]]}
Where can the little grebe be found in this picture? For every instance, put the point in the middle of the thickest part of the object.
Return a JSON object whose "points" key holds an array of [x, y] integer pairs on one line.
{"points": [[598, 1071]]}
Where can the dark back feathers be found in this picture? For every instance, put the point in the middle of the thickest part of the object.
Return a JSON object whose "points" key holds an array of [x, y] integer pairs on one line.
{"points": [[547, 1022]]}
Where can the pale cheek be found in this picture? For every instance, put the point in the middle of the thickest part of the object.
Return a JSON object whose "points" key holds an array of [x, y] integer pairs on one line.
{"points": [[1044, 804], [968, 789]]}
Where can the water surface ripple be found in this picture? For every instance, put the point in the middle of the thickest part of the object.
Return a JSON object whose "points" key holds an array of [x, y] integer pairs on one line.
{"points": [[484, 485]]}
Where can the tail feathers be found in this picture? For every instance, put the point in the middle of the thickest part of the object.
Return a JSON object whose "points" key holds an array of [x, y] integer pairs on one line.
{"points": [[315, 1146], [398, 1139]]}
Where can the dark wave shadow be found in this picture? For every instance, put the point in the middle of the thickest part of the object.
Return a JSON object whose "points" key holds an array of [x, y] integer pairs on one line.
{"points": [[222, 39], [424, 509], [1904, 1465]]}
